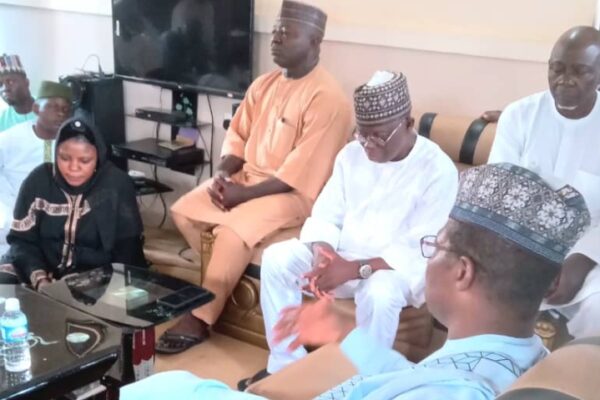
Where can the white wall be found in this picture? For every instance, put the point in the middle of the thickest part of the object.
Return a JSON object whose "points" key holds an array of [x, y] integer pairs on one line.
{"points": [[53, 43]]}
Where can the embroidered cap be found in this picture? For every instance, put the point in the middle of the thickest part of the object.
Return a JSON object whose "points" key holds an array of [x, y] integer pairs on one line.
{"points": [[304, 14], [521, 207], [53, 89], [11, 64], [384, 98]]}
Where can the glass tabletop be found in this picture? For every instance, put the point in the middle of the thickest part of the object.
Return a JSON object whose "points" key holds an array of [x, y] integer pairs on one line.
{"points": [[68, 348], [128, 295]]}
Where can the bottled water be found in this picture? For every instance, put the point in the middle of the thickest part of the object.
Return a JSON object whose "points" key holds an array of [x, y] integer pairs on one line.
{"points": [[13, 325]]}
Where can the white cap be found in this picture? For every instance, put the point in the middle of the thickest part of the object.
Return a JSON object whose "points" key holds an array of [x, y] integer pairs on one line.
{"points": [[380, 77], [12, 304]]}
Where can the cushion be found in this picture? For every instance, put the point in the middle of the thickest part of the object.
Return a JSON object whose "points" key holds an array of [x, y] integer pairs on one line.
{"points": [[571, 371]]}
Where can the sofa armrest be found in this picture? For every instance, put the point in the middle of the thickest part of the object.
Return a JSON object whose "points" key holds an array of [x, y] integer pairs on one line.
{"points": [[570, 372], [307, 378]]}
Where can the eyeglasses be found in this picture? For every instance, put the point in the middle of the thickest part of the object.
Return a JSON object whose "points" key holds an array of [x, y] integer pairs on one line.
{"points": [[429, 246], [376, 140]]}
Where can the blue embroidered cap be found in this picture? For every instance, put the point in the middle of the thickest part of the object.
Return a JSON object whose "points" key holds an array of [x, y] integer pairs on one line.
{"points": [[521, 207]]}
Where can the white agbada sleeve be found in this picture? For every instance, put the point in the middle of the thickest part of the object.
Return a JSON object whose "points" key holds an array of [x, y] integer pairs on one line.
{"points": [[589, 244], [327, 217], [509, 141], [404, 255]]}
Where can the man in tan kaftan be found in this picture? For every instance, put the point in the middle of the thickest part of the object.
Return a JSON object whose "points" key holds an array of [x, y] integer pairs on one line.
{"points": [[277, 155]]}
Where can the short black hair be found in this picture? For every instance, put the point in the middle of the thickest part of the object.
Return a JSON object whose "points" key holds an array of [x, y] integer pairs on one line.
{"points": [[512, 277]]}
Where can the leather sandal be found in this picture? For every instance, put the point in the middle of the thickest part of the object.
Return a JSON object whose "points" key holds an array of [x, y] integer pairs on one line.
{"points": [[244, 383], [174, 343]]}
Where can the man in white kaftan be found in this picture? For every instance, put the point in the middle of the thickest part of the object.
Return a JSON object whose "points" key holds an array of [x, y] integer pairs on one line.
{"points": [[372, 212], [27, 145], [556, 133], [488, 270]]}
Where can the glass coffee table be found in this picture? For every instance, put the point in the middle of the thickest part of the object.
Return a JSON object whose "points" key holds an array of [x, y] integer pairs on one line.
{"points": [[131, 298], [69, 349]]}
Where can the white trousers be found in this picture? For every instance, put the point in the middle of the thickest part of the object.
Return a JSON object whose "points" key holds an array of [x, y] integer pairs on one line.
{"points": [[584, 317], [378, 299]]}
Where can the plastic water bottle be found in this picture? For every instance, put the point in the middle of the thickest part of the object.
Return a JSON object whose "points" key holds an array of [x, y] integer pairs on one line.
{"points": [[13, 324]]}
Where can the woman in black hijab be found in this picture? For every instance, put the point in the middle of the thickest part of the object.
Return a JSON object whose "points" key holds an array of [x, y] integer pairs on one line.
{"points": [[76, 214]]}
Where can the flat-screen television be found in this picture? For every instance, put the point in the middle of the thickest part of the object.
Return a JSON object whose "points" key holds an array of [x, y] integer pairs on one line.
{"points": [[201, 45]]}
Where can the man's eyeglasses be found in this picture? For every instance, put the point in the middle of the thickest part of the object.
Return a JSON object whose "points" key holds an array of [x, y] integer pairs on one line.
{"points": [[429, 246], [376, 140]]}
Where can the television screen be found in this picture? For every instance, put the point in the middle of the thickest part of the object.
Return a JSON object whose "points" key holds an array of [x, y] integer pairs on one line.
{"points": [[203, 45]]}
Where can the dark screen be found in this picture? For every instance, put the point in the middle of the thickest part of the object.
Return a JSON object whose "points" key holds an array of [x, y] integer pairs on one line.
{"points": [[201, 44]]}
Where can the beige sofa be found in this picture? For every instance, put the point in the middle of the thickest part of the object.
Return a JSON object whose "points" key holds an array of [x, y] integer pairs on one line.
{"points": [[465, 140]]}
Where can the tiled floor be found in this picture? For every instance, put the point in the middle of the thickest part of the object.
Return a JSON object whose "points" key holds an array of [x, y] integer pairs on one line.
{"points": [[221, 357]]}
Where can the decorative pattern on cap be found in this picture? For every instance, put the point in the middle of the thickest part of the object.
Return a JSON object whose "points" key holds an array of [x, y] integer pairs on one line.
{"points": [[521, 207], [379, 103], [304, 14], [11, 64]]}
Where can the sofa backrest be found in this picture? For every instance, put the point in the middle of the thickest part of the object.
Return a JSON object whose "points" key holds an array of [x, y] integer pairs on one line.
{"points": [[571, 372], [466, 141]]}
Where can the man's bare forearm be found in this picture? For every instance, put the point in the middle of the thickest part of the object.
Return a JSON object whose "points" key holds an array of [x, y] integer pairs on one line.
{"points": [[269, 187], [230, 164]]}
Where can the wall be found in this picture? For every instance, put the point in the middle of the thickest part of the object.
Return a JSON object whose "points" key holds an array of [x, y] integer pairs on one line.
{"points": [[54, 43], [506, 29], [461, 68]]}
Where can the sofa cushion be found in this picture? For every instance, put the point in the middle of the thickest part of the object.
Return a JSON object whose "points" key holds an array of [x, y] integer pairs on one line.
{"points": [[467, 142], [571, 370]]}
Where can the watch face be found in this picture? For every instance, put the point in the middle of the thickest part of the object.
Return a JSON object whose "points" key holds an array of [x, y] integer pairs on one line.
{"points": [[365, 271]]}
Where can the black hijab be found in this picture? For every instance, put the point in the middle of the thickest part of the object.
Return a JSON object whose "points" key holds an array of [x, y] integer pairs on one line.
{"points": [[77, 127], [109, 191]]}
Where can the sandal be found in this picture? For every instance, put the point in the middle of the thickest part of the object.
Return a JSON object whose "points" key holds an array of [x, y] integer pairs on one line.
{"points": [[244, 383], [174, 343]]}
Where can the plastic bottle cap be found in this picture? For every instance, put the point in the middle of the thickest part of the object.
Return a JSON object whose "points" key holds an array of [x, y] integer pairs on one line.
{"points": [[12, 304]]}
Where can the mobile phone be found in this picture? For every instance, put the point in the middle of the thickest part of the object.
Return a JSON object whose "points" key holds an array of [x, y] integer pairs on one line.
{"points": [[182, 297]]}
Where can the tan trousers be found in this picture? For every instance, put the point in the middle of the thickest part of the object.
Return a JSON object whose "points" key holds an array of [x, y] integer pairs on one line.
{"points": [[230, 257]]}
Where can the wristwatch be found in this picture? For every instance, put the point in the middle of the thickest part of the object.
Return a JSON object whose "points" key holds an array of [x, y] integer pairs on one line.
{"points": [[365, 270]]}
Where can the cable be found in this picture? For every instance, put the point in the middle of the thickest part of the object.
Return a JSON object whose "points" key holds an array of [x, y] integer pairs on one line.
{"points": [[93, 55], [212, 133], [162, 200], [200, 174], [208, 155], [160, 102], [160, 195]]}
